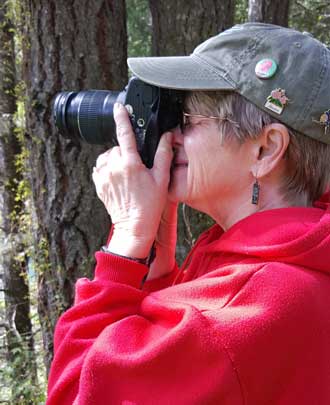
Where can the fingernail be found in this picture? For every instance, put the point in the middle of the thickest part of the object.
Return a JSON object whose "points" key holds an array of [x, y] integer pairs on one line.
{"points": [[117, 106]]}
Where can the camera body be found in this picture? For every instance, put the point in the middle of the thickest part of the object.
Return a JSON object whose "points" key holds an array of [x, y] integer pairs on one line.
{"points": [[88, 115]]}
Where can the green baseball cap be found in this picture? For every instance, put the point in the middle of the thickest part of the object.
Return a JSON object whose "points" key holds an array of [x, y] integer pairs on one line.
{"points": [[282, 71]]}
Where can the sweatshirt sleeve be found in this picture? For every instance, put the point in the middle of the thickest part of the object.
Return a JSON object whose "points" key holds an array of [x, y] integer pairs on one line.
{"points": [[162, 282], [122, 345]]}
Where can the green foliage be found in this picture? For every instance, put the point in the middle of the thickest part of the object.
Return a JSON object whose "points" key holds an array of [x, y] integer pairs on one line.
{"points": [[312, 16], [19, 382], [138, 28], [15, 14], [26, 392], [241, 11], [20, 367]]}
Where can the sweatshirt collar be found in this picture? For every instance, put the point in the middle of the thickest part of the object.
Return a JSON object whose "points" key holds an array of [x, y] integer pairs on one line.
{"points": [[296, 235]]}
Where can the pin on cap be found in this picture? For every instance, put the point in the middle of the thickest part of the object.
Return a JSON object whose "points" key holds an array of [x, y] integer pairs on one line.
{"points": [[276, 101], [252, 59], [325, 120], [265, 68]]}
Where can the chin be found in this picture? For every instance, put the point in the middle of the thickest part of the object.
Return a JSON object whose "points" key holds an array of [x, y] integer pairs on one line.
{"points": [[175, 196], [177, 190]]}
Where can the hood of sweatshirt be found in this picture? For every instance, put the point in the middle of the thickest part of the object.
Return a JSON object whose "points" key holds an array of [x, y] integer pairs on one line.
{"points": [[295, 235]]}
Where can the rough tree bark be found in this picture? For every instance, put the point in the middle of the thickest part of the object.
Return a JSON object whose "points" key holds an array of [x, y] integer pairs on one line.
{"points": [[72, 45], [13, 262], [269, 11], [178, 27]]}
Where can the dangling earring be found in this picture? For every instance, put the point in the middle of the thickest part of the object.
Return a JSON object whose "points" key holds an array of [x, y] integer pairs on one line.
{"points": [[255, 192]]}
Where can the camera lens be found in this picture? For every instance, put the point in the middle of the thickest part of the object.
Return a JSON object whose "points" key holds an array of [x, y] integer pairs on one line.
{"points": [[87, 115]]}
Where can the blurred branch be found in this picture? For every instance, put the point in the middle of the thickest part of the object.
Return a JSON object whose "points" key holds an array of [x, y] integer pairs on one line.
{"points": [[302, 6], [11, 326], [187, 224], [4, 325], [318, 8]]}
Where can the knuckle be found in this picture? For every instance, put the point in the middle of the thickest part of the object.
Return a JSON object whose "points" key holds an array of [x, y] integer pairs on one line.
{"points": [[131, 166], [103, 159], [100, 160], [122, 130], [115, 151], [130, 148]]}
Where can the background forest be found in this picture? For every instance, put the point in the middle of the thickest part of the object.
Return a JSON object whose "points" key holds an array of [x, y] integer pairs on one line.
{"points": [[51, 221]]}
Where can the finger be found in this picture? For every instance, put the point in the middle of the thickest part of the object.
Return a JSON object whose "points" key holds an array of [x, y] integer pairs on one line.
{"points": [[97, 184], [163, 156], [125, 133], [103, 159], [167, 231], [170, 213]]}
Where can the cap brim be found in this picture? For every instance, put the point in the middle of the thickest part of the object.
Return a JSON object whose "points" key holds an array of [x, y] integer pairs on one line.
{"points": [[179, 72]]}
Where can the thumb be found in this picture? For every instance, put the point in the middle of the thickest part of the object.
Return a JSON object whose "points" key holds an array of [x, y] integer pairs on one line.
{"points": [[163, 157]]}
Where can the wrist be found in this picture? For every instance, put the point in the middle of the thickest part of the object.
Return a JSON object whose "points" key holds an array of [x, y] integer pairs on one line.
{"points": [[144, 261], [129, 246], [164, 262]]}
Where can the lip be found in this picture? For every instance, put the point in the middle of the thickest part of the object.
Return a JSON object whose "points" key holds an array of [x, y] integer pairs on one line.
{"points": [[179, 164], [180, 161]]}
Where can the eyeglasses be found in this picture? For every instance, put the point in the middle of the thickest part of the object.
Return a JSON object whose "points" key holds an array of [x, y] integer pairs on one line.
{"points": [[186, 119], [186, 116]]}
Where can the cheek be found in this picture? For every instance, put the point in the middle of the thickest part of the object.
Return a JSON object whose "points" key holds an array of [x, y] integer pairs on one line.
{"points": [[201, 168]]}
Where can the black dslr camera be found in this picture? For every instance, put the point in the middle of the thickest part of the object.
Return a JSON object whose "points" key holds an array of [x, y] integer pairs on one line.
{"points": [[89, 115]]}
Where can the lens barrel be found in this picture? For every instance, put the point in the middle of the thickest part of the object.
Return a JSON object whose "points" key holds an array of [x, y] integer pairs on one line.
{"points": [[87, 115]]}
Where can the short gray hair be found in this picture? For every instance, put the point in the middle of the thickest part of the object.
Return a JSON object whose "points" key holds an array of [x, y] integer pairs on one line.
{"points": [[308, 160]]}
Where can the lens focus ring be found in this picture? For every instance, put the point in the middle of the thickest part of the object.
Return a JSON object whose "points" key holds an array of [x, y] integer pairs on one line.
{"points": [[90, 113]]}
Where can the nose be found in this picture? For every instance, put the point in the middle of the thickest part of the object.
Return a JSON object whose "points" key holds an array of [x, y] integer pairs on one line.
{"points": [[177, 139]]}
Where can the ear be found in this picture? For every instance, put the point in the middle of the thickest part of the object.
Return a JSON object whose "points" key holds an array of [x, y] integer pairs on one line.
{"points": [[269, 149]]}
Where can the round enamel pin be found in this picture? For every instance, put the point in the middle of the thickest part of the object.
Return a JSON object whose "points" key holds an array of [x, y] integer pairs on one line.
{"points": [[266, 68]]}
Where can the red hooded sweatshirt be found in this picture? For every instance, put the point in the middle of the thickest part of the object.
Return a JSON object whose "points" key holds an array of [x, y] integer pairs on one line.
{"points": [[245, 321]]}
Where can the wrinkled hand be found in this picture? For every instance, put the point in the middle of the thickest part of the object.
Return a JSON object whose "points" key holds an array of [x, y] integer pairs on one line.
{"points": [[133, 195]]}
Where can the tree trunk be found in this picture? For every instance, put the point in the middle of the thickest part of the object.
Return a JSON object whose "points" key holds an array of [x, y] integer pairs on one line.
{"points": [[13, 261], [178, 27], [73, 45], [269, 11]]}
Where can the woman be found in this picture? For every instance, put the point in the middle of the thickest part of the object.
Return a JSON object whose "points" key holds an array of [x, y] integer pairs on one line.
{"points": [[245, 320]]}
